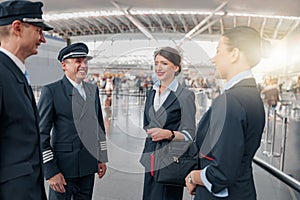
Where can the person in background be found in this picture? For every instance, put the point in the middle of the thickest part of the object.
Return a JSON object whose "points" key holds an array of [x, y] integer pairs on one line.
{"points": [[271, 93], [169, 114], [116, 84], [230, 132], [21, 33], [109, 87], [73, 137]]}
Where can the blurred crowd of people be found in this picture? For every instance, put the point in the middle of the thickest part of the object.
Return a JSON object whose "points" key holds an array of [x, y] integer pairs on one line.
{"points": [[139, 85], [282, 94]]}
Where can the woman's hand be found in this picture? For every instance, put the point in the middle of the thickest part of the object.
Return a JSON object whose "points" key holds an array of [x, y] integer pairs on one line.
{"points": [[158, 134], [192, 180]]}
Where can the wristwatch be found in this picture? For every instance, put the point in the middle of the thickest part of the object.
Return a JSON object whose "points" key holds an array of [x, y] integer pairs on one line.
{"points": [[172, 136]]}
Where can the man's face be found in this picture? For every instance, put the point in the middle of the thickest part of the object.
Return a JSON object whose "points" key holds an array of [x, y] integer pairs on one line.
{"points": [[32, 38], [75, 68]]}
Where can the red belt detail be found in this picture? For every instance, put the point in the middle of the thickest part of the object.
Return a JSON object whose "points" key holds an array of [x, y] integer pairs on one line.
{"points": [[207, 157], [152, 164]]}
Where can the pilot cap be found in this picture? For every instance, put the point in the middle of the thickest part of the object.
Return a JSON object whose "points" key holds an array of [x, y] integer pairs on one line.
{"points": [[76, 50], [25, 11]]}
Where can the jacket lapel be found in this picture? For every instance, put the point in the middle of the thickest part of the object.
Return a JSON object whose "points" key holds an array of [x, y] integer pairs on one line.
{"points": [[152, 114], [69, 89], [89, 99], [11, 66], [158, 118], [74, 98], [21, 79], [173, 96]]}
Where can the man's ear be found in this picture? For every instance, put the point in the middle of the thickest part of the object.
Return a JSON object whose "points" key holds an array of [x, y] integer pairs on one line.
{"points": [[17, 27], [63, 65], [235, 54]]}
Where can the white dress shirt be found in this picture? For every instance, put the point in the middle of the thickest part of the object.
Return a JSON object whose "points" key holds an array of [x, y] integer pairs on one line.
{"points": [[79, 87], [159, 99]]}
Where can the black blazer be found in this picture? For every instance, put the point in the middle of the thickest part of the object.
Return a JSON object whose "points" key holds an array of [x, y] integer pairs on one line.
{"points": [[20, 156], [228, 136], [177, 113], [77, 138]]}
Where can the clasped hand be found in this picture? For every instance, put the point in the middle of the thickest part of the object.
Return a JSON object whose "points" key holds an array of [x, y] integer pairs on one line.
{"points": [[157, 134], [57, 183]]}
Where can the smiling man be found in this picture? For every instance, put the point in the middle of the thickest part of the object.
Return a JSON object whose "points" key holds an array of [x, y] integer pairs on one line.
{"points": [[70, 110]]}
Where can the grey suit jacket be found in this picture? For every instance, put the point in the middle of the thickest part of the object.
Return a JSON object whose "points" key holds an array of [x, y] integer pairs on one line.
{"points": [[177, 113], [72, 130]]}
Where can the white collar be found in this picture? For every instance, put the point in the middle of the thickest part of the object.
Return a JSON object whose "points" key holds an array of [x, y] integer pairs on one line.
{"points": [[237, 78], [76, 85], [172, 87], [15, 59]]}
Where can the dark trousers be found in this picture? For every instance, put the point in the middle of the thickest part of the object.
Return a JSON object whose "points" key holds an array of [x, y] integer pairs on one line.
{"points": [[80, 188], [157, 191], [24, 187]]}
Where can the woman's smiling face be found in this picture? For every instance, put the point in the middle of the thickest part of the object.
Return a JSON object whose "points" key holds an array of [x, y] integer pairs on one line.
{"points": [[164, 69]]}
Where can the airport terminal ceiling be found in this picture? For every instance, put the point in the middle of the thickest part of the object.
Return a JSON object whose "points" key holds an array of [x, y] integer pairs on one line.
{"points": [[273, 18], [152, 20]]}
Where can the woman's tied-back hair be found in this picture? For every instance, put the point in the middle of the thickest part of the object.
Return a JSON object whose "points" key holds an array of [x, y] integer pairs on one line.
{"points": [[171, 55], [248, 41]]}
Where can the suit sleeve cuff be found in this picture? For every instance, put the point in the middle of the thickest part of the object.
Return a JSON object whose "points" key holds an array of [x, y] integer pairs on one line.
{"points": [[187, 135], [208, 185], [50, 169]]}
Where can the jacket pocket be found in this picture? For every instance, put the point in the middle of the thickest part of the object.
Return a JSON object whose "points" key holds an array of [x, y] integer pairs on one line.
{"points": [[66, 147], [15, 171]]}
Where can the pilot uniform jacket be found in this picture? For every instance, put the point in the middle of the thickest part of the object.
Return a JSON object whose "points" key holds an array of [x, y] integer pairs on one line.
{"points": [[20, 156], [228, 136], [177, 113], [72, 130]]}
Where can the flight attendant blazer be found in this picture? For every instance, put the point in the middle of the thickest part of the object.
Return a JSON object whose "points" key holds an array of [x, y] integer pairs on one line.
{"points": [[228, 136], [177, 113]]}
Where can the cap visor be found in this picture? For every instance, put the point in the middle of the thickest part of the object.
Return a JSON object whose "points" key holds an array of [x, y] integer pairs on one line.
{"points": [[79, 56], [89, 57], [42, 25]]}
